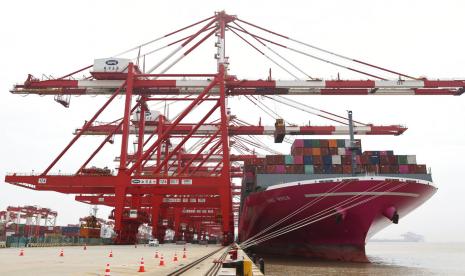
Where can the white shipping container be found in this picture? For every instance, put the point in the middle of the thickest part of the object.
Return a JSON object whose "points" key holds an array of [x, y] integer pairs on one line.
{"points": [[111, 65], [347, 143], [336, 159], [411, 159], [341, 151]]}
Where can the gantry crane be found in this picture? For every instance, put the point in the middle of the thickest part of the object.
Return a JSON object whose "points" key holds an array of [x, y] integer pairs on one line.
{"points": [[164, 183], [33, 217]]}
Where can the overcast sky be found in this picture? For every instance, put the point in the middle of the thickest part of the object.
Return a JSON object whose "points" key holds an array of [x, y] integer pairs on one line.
{"points": [[421, 38]]}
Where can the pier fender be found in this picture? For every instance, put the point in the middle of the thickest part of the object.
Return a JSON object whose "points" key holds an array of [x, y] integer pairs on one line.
{"points": [[391, 213], [340, 214]]}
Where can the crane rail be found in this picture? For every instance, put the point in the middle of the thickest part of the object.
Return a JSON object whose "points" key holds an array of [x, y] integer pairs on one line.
{"points": [[217, 265], [191, 265]]}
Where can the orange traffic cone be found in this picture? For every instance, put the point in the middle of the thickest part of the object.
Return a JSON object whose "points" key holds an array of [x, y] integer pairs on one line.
{"points": [[175, 258], [107, 270], [61, 253], [85, 246], [162, 261], [184, 256], [21, 252], [141, 267], [156, 255], [111, 254]]}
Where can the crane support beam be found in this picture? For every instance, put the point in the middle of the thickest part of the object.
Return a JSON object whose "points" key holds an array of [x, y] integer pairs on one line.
{"points": [[185, 202], [106, 129], [142, 183], [246, 87]]}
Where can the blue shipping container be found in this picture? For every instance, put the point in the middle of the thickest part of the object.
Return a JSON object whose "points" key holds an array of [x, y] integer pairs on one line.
{"points": [[327, 159], [308, 160], [328, 168], [307, 143], [374, 160]]}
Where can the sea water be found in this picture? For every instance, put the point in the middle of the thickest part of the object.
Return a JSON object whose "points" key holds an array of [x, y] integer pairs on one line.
{"points": [[386, 258]]}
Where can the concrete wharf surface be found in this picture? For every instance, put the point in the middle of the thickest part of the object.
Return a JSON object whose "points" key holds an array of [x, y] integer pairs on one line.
{"points": [[77, 261]]}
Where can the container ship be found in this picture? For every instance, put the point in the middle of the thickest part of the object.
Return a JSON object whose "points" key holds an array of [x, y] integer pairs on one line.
{"points": [[327, 198]]}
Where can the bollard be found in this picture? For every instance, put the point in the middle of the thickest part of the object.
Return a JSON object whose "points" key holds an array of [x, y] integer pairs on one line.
{"points": [[261, 265]]}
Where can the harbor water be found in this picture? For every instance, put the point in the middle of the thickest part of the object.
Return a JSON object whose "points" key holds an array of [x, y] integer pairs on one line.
{"points": [[386, 258]]}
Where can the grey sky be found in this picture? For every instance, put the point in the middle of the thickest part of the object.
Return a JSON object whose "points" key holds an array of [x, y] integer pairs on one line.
{"points": [[422, 38]]}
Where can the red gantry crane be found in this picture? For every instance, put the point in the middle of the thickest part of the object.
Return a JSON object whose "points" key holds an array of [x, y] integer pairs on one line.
{"points": [[180, 173], [32, 217]]}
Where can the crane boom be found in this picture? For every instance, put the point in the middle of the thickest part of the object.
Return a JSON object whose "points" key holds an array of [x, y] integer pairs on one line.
{"points": [[144, 86], [106, 129]]}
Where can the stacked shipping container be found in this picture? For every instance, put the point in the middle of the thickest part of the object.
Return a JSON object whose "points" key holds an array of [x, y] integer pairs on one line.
{"points": [[331, 156]]}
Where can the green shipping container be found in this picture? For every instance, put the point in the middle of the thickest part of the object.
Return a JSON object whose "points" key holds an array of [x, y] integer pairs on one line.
{"points": [[309, 169], [341, 143], [288, 160], [315, 143], [402, 159]]}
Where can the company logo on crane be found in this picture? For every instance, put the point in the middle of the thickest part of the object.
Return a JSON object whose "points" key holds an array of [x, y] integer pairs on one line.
{"points": [[111, 62]]}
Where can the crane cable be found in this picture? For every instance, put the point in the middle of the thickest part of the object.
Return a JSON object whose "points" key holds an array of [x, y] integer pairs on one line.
{"points": [[265, 55], [274, 118], [328, 52], [273, 51], [294, 104], [300, 209], [321, 218], [320, 110], [312, 219], [161, 37], [319, 58], [258, 145], [348, 200]]}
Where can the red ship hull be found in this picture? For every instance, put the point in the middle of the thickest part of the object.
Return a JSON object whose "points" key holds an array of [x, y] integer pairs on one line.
{"points": [[356, 210]]}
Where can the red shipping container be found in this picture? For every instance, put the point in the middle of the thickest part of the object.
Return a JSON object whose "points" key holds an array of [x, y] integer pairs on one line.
{"points": [[385, 169], [289, 169], [392, 159], [270, 168], [260, 169], [372, 168], [299, 143], [298, 159], [420, 169], [307, 151], [336, 169], [412, 168], [317, 160], [296, 169], [346, 169], [275, 159], [324, 143], [318, 169], [364, 160], [259, 161], [297, 151], [384, 160], [394, 169], [324, 151], [346, 159], [333, 151]]}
